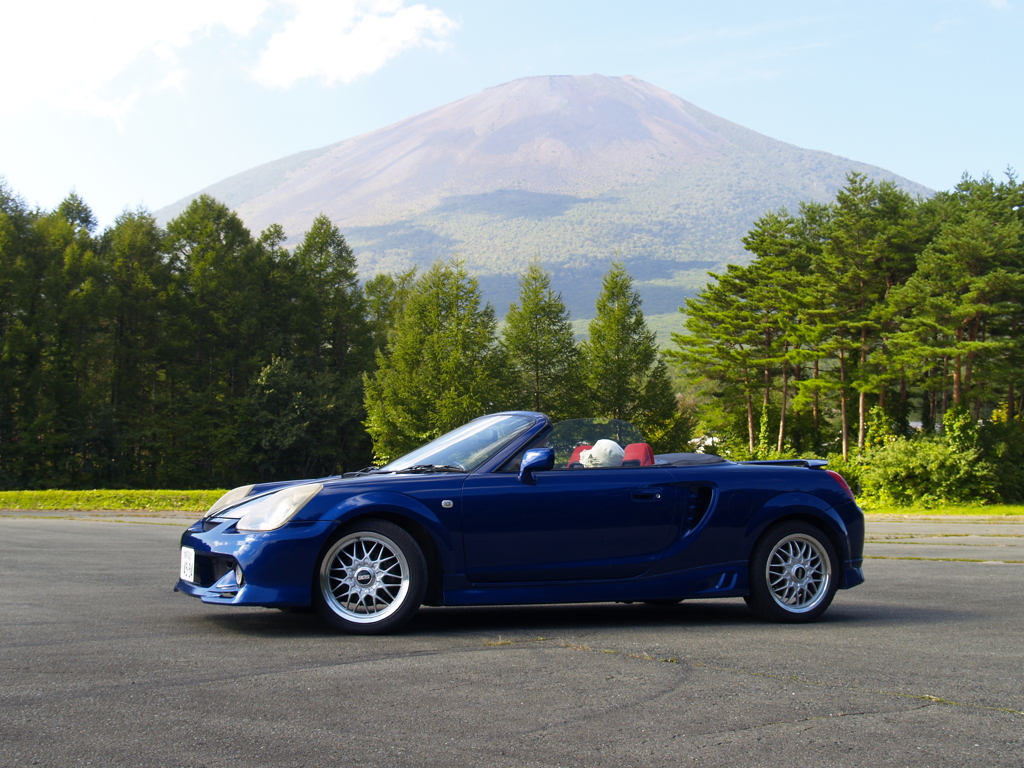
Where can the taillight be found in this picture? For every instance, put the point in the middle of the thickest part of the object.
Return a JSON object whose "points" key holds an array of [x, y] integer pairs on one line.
{"points": [[842, 483]]}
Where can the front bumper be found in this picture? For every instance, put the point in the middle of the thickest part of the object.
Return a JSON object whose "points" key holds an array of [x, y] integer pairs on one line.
{"points": [[276, 567]]}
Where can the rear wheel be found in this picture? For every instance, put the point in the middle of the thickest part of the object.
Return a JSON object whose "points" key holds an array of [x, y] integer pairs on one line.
{"points": [[371, 579], [792, 573]]}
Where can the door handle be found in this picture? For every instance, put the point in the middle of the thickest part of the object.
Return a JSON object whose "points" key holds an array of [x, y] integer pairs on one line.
{"points": [[646, 494]]}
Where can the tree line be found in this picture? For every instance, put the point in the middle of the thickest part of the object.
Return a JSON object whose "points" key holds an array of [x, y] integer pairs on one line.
{"points": [[199, 355], [857, 318], [879, 330]]}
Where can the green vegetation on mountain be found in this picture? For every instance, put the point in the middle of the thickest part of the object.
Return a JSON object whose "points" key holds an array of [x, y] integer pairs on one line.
{"points": [[572, 172]]}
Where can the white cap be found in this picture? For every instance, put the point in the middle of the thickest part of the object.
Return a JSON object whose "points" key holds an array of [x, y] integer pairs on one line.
{"points": [[605, 453]]}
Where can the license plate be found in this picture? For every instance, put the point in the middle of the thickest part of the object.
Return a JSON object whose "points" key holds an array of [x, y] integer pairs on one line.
{"points": [[188, 564]]}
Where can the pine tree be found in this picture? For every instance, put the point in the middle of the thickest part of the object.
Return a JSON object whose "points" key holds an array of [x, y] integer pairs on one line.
{"points": [[223, 330], [336, 308], [305, 410], [139, 278], [442, 366], [544, 361], [868, 251], [625, 374], [22, 269], [71, 421], [721, 346], [742, 328], [963, 303], [386, 295], [778, 274]]}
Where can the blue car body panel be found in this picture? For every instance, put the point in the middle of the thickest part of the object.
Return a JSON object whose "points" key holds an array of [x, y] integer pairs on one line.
{"points": [[567, 526], [612, 534]]}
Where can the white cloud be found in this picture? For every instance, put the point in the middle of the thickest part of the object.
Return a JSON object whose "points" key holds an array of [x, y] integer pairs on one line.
{"points": [[339, 41], [68, 53], [101, 57], [174, 80]]}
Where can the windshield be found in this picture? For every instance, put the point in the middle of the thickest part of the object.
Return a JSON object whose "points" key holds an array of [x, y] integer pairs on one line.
{"points": [[467, 447]]}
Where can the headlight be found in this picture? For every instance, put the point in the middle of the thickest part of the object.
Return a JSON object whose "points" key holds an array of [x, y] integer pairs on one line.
{"points": [[275, 509], [235, 494]]}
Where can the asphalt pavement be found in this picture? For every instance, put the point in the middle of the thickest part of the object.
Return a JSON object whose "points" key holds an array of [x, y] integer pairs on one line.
{"points": [[102, 664]]}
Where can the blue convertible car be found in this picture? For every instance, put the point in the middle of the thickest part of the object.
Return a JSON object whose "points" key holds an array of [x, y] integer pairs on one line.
{"points": [[512, 509]]}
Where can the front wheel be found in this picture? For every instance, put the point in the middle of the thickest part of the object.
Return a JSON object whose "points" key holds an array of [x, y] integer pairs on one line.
{"points": [[371, 579], [792, 574]]}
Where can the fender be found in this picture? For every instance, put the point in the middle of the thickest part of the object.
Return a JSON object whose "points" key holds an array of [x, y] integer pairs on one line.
{"points": [[397, 504], [807, 504]]}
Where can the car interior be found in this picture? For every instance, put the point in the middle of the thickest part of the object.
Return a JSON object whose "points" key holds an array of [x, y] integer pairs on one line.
{"points": [[637, 455]]}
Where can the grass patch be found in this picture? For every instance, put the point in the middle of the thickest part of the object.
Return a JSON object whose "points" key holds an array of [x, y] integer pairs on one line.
{"points": [[156, 501], [200, 501], [956, 510], [499, 641]]}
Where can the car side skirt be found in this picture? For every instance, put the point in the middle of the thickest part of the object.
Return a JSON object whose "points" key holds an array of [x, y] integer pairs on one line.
{"points": [[721, 580]]}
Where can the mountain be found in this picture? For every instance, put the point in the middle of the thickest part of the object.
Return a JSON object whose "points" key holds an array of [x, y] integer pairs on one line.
{"points": [[574, 171]]}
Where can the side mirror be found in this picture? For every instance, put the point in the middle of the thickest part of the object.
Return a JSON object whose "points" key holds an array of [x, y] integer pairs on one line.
{"points": [[535, 460]]}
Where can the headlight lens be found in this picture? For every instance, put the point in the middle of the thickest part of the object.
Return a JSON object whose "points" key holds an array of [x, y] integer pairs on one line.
{"points": [[275, 509], [235, 494]]}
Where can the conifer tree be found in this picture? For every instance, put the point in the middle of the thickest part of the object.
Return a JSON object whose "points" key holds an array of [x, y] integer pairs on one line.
{"points": [[963, 301], [66, 317], [306, 410], [543, 359], [442, 366], [139, 278], [16, 296], [625, 374], [775, 295], [335, 308], [721, 344], [743, 326], [868, 251], [222, 320], [386, 295]]}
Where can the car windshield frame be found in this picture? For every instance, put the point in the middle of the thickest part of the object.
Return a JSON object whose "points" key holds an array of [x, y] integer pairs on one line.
{"points": [[567, 435], [564, 436], [467, 447]]}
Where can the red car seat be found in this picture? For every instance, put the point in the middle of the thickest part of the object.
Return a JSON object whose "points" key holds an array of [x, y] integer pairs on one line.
{"points": [[641, 452]]}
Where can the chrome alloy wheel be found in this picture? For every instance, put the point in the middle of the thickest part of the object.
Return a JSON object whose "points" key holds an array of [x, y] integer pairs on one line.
{"points": [[364, 578], [798, 573]]}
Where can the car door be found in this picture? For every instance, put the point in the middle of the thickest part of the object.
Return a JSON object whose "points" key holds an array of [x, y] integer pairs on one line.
{"points": [[601, 523]]}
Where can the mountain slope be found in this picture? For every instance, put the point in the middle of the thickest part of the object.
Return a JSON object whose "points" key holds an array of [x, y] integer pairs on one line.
{"points": [[575, 171]]}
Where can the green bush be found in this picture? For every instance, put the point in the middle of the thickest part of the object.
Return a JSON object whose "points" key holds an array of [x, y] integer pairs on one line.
{"points": [[1002, 440], [851, 470], [927, 472]]}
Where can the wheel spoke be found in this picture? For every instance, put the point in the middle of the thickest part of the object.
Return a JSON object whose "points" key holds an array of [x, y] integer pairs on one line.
{"points": [[796, 573], [365, 577]]}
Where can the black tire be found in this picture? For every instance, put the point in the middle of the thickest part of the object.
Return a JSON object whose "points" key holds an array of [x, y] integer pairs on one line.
{"points": [[371, 578], [793, 572]]}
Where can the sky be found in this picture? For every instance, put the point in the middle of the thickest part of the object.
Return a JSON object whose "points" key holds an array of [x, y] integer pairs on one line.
{"points": [[139, 104]]}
